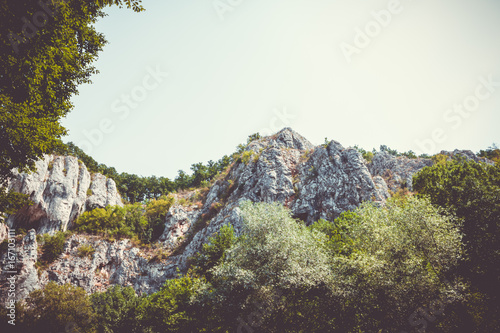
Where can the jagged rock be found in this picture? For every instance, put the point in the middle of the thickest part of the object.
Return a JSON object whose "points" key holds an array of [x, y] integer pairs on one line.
{"points": [[118, 262], [104, 193], [333, 180], [468, 154], [178, 224], [61, 189], [396, 171], [4, 230], [314, 182]]}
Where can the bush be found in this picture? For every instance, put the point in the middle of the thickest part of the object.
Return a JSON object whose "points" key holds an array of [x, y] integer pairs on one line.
{"points": [[116, 310], [246, 156], [213, 252], [143, 221], [85, 250], [53, 246], [170, 310], [389, 261], [59, 309]]}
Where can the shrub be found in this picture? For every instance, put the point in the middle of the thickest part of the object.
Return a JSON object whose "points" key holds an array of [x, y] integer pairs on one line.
{"points": [[116, 310], [246, 156], [85, 250], [213, 252], [145, 222], [59, 308], [89, 192], [53, 246], [170, 310]]}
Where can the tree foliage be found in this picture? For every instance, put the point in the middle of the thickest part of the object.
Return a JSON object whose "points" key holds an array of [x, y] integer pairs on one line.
{"points": [[170, 309], [116, 310], [472, 191], [59, 308], [142, 221], [392, 260]]}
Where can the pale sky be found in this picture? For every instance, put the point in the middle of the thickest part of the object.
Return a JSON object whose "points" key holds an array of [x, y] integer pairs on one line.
{"points": [[186, 81]]}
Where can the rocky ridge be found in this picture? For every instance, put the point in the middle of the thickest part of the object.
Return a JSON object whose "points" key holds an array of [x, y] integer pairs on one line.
{"points": [[312, 181]]}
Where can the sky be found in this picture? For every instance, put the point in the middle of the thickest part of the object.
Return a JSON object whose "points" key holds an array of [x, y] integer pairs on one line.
{"points": [[187, 81]]}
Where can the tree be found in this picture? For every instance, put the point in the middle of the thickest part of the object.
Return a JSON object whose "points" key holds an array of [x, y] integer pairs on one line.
{"points": [[170, 309], [56, 308], [279, 269], [472, 191], [46, 50], [213, 252], [116, 310], [391, 260]]}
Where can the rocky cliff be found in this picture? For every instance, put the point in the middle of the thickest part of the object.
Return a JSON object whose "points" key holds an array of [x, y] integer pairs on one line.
{"points": [[313, 181], [61, 190]]}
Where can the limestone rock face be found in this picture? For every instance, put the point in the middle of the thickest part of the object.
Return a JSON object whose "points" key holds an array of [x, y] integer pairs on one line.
{"points": [[467, 154], [333, 180], [61, 189], [118, 262], [178, 223], [4, 230], [312, 181], [397, 171]]}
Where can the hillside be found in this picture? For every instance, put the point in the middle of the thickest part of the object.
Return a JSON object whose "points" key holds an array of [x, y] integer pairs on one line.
{"points": [[313, 182]]}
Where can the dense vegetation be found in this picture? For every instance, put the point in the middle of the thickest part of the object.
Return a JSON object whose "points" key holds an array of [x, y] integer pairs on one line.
{"points": [[472, 192], [144, 222], [404, 266]]}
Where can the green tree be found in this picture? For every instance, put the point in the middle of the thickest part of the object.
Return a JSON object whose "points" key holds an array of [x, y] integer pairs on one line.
{"points": [[280, 270], [170, 309], [116, 310], [472, 191], [391, 261], [213, 252], [59, 308]]}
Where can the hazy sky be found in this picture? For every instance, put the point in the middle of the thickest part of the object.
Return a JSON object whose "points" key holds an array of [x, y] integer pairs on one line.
{"points": [[186, 81]]}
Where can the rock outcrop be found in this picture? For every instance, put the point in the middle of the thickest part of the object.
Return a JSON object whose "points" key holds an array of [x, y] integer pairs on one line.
{"points": [[313, 182], [396, 171], [111, 262], [61, 189], [467, 154]]}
